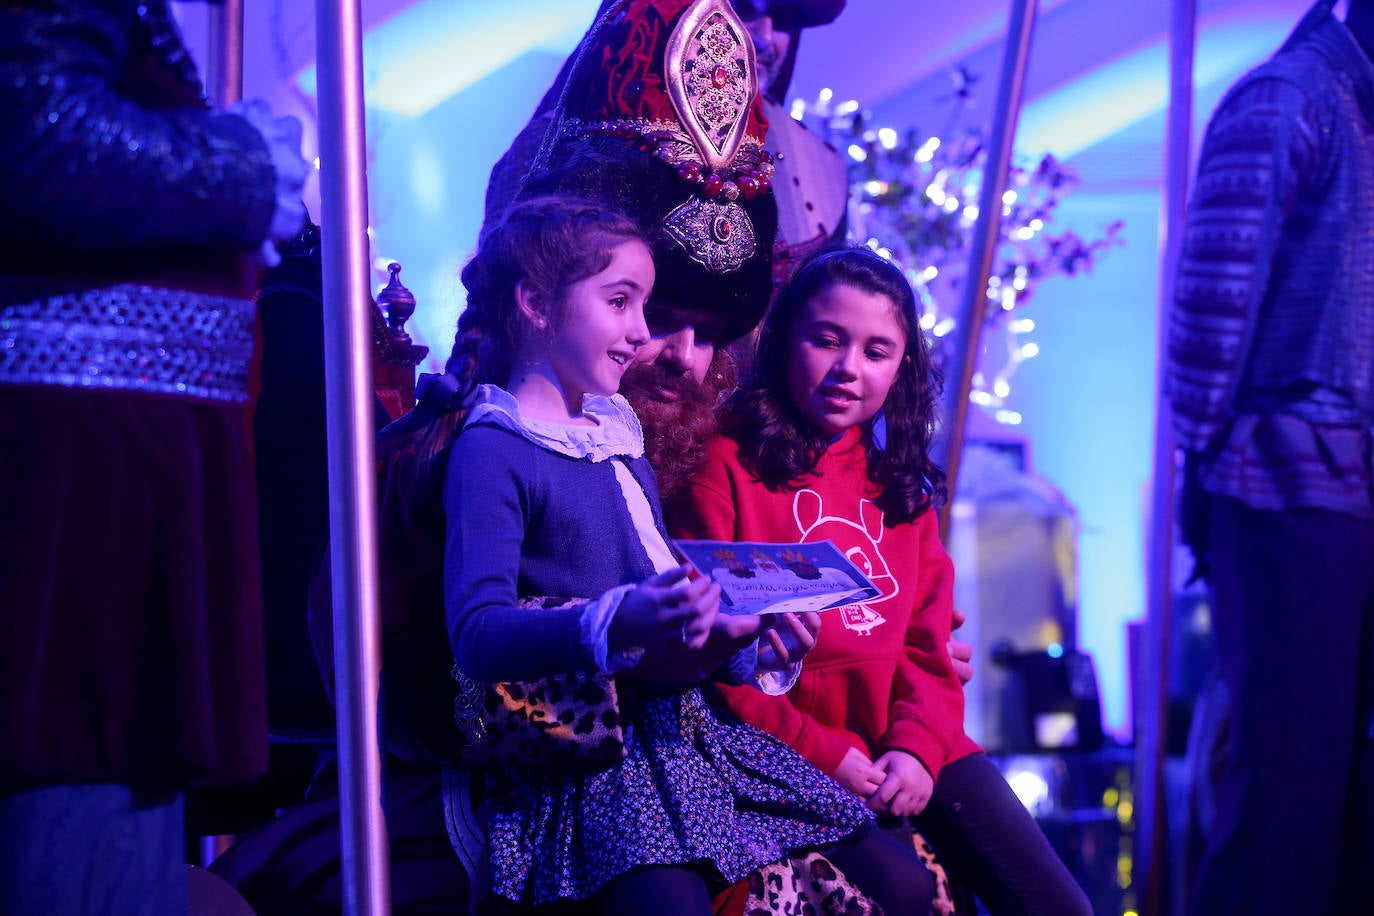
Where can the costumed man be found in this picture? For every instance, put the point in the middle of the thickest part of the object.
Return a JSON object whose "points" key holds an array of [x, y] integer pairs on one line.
{"points": [[131, 656], [1271, 379]]}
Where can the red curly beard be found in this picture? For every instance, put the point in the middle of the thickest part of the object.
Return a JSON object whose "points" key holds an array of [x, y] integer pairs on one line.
{"points": [[679, 418]]}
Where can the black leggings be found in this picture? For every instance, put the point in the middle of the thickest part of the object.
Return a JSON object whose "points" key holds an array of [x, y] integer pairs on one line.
{"points": [[884, 871], [888, 874]]}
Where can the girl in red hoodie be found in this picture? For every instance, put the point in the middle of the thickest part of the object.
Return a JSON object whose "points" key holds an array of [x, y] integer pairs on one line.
{"points": [[829, 438]]}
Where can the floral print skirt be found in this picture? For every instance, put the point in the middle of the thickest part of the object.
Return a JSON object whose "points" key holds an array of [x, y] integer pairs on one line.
{"points": [[697, 787]]}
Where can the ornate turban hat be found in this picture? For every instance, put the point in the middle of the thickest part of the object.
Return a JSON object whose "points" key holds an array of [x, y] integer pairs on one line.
{"points": [[660, 117]]}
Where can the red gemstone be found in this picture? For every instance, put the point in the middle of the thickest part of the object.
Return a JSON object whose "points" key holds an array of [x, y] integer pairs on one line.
{"points": [[719, 77], [713, 186], [689, 171], [748, 187]]}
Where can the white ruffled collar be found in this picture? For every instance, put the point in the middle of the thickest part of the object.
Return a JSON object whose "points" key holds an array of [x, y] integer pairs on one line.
{"points": [[616, 431]]}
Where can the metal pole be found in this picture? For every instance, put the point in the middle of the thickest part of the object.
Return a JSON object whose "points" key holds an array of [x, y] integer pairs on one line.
{"points": [[224, 65], [352, 484], [1151, 841], [968, 329]]}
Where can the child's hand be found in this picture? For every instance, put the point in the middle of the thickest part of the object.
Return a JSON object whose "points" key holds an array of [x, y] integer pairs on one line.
{"points": [[677, 664], [789, 637], [906, 788], [858, 774], [666, 611], [960, 652]]}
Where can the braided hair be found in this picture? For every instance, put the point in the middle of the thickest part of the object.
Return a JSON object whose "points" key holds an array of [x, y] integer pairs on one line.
{"points": [[550, 243]]}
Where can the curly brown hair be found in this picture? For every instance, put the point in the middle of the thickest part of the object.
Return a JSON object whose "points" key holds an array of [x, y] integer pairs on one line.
{"points": [[781, 445]]}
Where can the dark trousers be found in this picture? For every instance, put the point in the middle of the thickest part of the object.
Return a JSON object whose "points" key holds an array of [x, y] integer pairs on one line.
{"points": [[1293, 600], [990, 844]]}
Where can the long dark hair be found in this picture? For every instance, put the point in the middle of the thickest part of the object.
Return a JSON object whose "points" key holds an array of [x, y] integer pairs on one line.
{"points": [[780, 445], [550, 243]]}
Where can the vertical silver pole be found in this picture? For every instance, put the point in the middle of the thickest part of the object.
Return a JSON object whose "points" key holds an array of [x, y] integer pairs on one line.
{"points": [[352, 482], [224, 64], [968, 328], [1151, 840]]}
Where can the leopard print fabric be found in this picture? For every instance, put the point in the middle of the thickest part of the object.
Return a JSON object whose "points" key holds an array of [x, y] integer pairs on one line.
{"points": [[805, 884], [809, 885], [562, 719]]}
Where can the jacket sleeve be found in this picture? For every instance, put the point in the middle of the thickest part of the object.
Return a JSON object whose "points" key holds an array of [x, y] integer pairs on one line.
{"points": [[1262, 148], [84, 165], [927, 717], [487, 508]]}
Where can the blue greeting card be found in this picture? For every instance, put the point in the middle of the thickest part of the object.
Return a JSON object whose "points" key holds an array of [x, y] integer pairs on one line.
{"points": [[760, 578]]}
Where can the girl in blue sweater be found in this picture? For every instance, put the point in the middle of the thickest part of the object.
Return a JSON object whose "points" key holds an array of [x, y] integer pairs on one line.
{"points": [[547, 493]]}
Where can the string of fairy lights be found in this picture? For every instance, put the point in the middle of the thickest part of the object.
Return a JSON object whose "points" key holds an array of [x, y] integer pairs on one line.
{"points": [[914, 199]]}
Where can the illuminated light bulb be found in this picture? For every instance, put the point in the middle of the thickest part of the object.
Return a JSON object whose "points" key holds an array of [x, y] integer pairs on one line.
{"points": [[981, 398], [1001, 388], [930, 273], [971, 212], [888, 138], [936, 194], [857, 153], [875, 187], [1007, 417], [825, 95], [1029, 350], [1024, 234], [994, 281], [927, 321], [1037, 224], [951, 204], [1009, 298], [943, 327], [1021, 326], [1009, 198], [798, 109], [1019, 281]]}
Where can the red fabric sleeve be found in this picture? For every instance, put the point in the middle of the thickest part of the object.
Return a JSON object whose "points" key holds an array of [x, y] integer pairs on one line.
{"points": [[927, 699]]}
